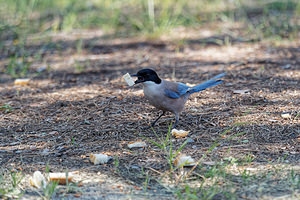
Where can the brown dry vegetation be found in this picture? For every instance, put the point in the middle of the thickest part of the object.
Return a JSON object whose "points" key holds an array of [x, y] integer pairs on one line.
{"points": [[81, 105]]}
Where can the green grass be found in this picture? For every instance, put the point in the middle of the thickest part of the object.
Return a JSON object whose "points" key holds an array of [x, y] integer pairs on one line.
{"points": [[6, 108], [18, 67], [49, 190], [19, 18], [228, 178], [166, 145], [10, 185], [224, 182]]}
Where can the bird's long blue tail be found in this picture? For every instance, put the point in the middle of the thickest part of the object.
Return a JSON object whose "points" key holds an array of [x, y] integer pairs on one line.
{"points": [[210, 83]]}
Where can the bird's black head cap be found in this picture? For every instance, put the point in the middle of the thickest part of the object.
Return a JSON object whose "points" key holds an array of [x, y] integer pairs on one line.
{"points": [[147, 75]]}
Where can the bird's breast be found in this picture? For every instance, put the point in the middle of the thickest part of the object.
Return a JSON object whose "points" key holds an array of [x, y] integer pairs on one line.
{"points": [[156, 96], [152, 90]]}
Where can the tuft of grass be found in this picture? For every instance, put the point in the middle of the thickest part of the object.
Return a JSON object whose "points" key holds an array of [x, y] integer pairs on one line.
{"points": [[49, 190], [7, 108], [147, 179], [18, 68], [10, 185], [229, 178], [71, 187], [166, 145]]}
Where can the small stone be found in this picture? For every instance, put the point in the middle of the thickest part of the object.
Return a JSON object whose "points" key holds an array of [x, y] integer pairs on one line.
{"points": [[190, 140], [242, 92], [286, 115]]}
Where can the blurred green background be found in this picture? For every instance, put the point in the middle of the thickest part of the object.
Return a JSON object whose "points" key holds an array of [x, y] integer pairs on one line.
{"points": [[261, 18]]}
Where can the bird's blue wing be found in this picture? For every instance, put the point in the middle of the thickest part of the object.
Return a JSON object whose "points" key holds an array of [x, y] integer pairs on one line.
{"points": [[176, 92]]}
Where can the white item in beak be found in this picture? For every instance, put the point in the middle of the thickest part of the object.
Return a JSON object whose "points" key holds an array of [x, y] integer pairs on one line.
{"points": [[128, 79]]}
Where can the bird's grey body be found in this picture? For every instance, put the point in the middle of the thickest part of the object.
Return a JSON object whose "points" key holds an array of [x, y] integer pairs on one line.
{"points": [[155, 93], [169, 96]]}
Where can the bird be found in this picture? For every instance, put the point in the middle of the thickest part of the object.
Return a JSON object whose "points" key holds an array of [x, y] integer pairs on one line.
{"points": [[169, 96]]}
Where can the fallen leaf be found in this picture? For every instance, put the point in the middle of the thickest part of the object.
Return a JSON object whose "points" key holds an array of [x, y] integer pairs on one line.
{"points": [[77, 195], [22, 81], [136, 144], [210, 163], [137, 188], [99, 158], [287, 66], [184, 160], [273, 120], [179, 133], [53, 133], [246, 91], [286, 115], [61, 177], [38, 180]]}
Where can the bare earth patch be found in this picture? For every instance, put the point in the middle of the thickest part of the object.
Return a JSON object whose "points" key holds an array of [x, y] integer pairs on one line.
{"points": [[81, 105]]}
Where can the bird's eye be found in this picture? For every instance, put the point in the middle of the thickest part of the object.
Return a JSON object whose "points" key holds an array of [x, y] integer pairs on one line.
{"points": [[141, 78]]}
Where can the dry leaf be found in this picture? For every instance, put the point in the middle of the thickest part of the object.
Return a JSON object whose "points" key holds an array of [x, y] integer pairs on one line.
{"points": [[136, 144], [61, 177], [273, 120], [246, 91], [99, 158], [101, 181], [179, 133], [210, 163], [137, 188], [77, 195], [286, 116], [184, 160], [38, 180], [22, 81]]}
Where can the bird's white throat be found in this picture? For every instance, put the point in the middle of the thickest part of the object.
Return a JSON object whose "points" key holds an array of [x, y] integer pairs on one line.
{"points": [[150, 84], [151, 87]]}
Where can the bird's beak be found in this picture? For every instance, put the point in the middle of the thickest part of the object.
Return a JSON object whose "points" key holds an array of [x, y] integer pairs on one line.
{"points": [[138, 80]]}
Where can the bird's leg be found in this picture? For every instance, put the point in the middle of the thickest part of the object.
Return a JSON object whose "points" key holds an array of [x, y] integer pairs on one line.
{"points": [[153, 123], [176, 120]]}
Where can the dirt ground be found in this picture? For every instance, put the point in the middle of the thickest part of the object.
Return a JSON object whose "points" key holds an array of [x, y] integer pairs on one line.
{"points": [[79, 104]]}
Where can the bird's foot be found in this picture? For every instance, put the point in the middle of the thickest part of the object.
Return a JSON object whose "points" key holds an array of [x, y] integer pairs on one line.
{"points": [[148, 127], [174, 125]]}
